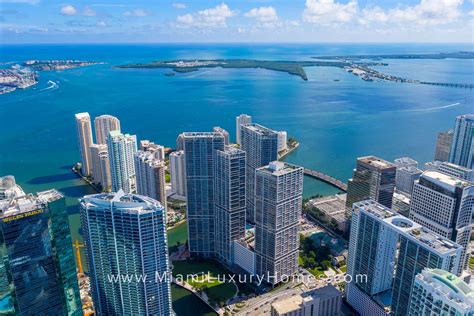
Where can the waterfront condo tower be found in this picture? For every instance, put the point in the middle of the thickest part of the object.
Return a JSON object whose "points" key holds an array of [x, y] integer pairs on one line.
{"points": [[373, 178], [261, 145], [229, 200], [224, 133], [199, 157], [103, 125], [122, 148], [438, 292], [462, 148], [278, 203], [85, 140], [97, 151], [177, 171], [240, 120], [445, 204], [127, 251], [150, 173], [443, 145], [37, 268], [375, 233]]}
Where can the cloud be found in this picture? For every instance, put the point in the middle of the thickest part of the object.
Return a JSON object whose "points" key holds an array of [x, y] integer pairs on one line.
{"points": [[178, 5], [263, 14], [101, 24], [89, 12], [329, 11], [212, 17], [68, 10], [21, 1], [136, 12]]}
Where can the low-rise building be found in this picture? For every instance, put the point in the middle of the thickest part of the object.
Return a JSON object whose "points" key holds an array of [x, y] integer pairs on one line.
{"points": [[333, 209], [325, 301]]}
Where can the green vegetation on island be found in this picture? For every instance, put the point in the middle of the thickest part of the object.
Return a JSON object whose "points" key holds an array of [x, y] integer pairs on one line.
{"points": [[291, 67]]}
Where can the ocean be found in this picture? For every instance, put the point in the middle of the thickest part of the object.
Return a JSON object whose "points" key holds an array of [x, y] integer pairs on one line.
{"points": [[335, 116]]}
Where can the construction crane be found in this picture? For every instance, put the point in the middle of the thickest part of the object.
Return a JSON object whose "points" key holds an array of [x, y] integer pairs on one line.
{"points": [[78, 247]]}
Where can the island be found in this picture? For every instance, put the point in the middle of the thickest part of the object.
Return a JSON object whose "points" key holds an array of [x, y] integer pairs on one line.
{"points": [[291, 67], [454, 55], [56, 65], [16, 77], [361, 69]]}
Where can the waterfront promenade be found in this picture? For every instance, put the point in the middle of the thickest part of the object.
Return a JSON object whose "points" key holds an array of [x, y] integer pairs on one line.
{"points": [[325, 178]]}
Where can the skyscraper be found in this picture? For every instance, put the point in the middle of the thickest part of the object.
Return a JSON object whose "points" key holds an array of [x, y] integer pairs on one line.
{"points": [[462, 148], [438, 292], [105, 178], [420, 249], [122, 148], [406, 177], [282, 140], [278, 202], [224, 133], [9, 189], [178, 173], [261, 146], [444, 204], [146, 145], [229, 200], [37, 269], [103, 125], [150, 173], [84, 138], [375, 233], [199, 156], [451, 169], [240, 120], [125, 235], [96, 151], [443, 145], [373, 178]]}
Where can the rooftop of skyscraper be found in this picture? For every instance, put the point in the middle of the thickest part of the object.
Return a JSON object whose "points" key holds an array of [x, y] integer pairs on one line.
{"points": [[446, 181], [448, 285], [376, 162], [374, 208], [83, 115], [200, 134], [469, 117], [433, 241], [133, 203], [259, 129], [405, 161], [279, 168]]}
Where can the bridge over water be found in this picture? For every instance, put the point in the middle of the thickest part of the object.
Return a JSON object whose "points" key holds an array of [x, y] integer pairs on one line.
{"points": [[325, 178]]}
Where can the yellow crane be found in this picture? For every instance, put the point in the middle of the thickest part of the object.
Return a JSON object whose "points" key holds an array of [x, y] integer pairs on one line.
{"points": [[78, 247]]}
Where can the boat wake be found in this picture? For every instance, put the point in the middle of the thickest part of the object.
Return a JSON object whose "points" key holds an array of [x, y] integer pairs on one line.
{"points": [[434, 108], [52, 85], [199, 74]]}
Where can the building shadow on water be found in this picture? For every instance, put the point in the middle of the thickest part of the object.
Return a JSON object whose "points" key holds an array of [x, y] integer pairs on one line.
{"points": [[53, 178], [77, 191]]}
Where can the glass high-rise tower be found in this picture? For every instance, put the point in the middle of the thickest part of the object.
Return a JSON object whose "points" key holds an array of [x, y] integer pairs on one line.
{"points": [[373, 178], [37, 268], [261, 145], [122, 148], [127, 251], [462, 147], [229, 200], [199, 148], [278, 203]]}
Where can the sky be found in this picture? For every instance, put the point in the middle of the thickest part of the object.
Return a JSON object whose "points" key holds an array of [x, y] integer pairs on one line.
{"points": [[120, 21]]}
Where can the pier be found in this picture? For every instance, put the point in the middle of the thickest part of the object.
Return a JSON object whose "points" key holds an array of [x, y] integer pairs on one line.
{"points": [[454, 85], [325, 178]]}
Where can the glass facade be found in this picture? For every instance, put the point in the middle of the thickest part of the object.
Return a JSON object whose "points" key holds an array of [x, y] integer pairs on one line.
{"points": [[37, 269]]}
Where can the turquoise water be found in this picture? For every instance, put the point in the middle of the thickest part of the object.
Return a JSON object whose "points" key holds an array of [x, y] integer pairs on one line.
{"points": [[335, 121]]}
